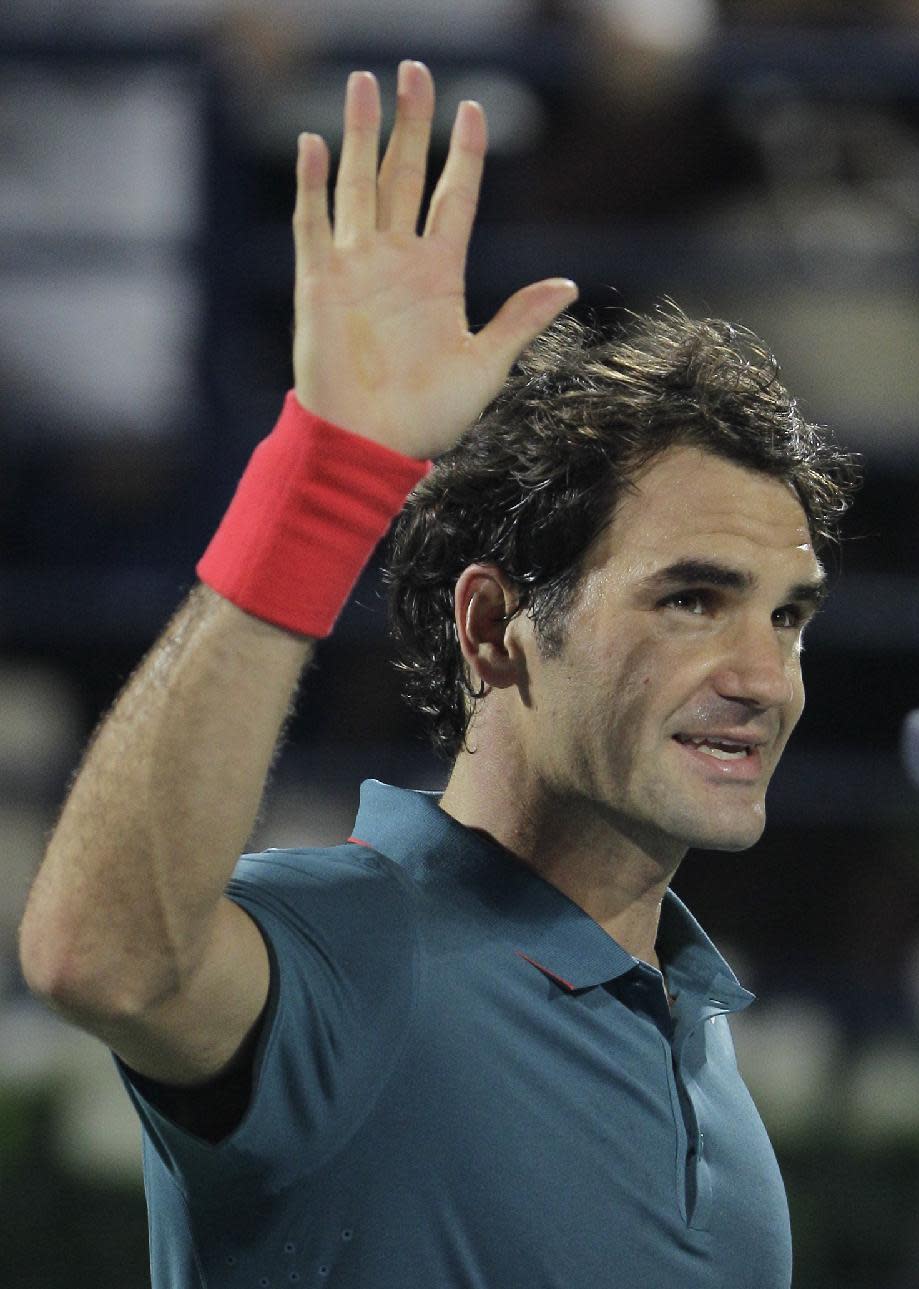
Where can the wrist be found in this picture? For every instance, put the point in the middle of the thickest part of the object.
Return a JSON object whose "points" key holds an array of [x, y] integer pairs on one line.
{"points": [[311, 506]]}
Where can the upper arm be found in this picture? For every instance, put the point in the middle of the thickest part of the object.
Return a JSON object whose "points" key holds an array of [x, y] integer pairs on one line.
{"points": [[194, 1034], [336, 989]]}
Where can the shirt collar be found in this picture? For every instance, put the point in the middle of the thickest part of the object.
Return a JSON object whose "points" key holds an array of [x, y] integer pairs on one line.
{"points": [[546, 927]]}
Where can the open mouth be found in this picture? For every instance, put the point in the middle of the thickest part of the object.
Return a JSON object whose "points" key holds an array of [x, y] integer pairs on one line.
{"points": [[718, 749]]}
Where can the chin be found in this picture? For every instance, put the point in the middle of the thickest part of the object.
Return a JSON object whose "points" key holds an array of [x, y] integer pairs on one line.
{"points": [[729, 829], [734, 844], [732, 836]]}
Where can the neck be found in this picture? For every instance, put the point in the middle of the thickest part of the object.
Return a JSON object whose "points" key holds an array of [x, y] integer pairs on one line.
{"points": [[601, 863]]}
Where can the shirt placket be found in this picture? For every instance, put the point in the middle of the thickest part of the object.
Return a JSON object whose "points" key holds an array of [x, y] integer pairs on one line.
{"points": [[695, 1179]]}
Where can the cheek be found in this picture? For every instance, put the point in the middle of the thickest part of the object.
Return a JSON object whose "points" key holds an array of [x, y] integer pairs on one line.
{"points": [[641, 672], [796, 707], [635, 684], [608, 697]]}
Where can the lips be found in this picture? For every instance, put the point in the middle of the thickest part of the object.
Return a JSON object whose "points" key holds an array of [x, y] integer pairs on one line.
{"points": [[733, 757], [721, 748]]}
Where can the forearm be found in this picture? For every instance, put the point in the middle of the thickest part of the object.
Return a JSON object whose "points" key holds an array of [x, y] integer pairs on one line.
{"points": [[161, 807], [126, 913]]}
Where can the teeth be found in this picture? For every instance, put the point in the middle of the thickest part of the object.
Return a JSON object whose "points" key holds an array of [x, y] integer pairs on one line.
{"points": [[720, 751]]}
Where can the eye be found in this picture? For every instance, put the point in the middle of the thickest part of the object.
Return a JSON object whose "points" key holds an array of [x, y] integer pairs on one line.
{"points": [[698, 602], [789, 617]]}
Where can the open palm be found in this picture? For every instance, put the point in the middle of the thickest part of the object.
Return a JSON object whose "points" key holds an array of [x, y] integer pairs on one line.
{"points": [[382, 345]]}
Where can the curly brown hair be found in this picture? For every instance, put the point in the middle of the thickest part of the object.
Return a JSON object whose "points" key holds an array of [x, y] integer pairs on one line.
{"points": [[534, 481]]}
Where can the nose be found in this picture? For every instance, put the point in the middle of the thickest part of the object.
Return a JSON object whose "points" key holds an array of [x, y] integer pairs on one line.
{"points": [[758, 667]]}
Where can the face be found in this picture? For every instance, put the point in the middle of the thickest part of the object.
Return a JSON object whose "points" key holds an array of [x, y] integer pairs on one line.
{"points": [[679, 682]]}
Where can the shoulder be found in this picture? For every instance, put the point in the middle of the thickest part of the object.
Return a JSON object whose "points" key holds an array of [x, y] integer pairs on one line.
{"points": [[343, 902], [349, 871]]}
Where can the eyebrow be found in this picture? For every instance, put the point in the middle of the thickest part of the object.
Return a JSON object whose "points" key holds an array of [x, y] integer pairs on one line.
{"points": [[696, 572]]}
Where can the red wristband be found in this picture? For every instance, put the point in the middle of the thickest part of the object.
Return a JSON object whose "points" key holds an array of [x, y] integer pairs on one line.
{"points": [[311, 506]]}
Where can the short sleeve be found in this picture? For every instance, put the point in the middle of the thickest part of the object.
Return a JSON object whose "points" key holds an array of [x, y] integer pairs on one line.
{"points": [[341, 939]]}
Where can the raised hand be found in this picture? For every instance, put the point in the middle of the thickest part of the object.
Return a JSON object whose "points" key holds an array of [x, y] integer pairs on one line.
{"points": [[382, 345]]}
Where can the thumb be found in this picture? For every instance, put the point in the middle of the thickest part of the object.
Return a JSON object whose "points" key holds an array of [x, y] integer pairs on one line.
{"points": [[520, 320]]}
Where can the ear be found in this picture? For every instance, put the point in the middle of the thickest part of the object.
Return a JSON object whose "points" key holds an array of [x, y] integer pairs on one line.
{"points": [[483, 599]]}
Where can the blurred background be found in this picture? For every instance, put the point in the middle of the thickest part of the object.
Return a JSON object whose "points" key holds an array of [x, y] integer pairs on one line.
{"points": [[754, 159]]}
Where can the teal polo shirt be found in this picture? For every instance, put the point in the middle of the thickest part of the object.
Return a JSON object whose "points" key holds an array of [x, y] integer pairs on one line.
{"points": [[462, 1082]]}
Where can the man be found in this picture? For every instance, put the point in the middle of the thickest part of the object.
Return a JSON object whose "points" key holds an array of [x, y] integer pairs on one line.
{"points": [[481, 1044]]}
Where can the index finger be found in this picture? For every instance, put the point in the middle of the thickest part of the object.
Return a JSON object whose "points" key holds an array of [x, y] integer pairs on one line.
{"points": [[456, 197]]}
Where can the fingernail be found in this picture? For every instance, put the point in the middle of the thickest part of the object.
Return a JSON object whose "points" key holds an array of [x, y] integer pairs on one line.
{"points": [[409, 70]]}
